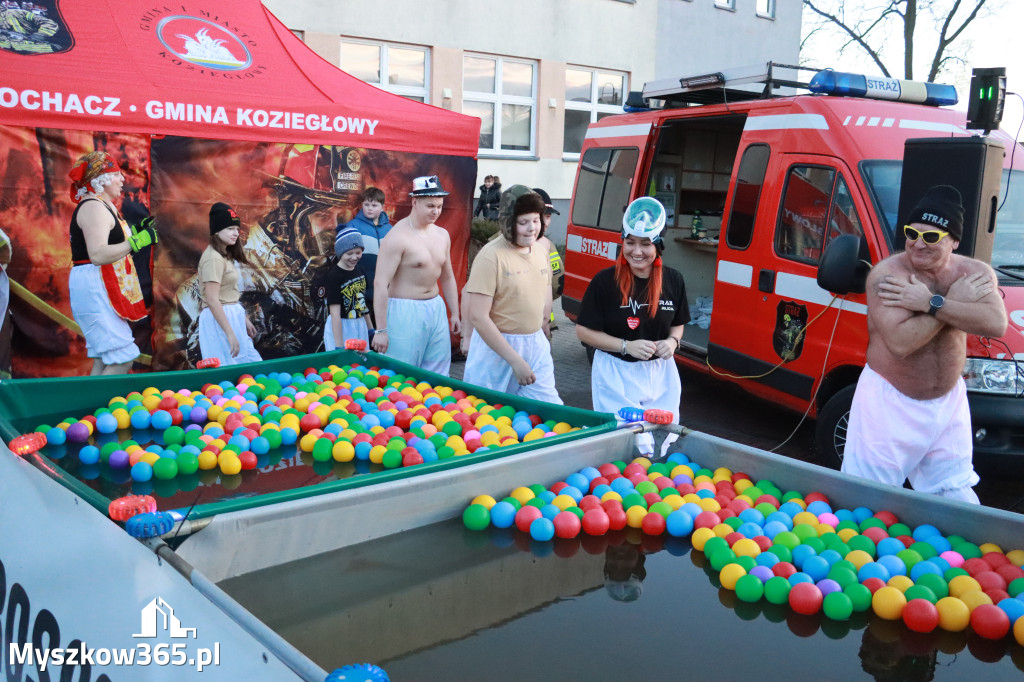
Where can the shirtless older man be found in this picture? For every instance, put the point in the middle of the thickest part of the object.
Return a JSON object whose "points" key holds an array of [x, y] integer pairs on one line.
{"points": [[910, 418], [411, 317]]}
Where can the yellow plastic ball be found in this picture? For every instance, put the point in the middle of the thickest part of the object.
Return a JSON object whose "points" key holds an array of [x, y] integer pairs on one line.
{"points": [[722, 529], [1018, 628], [377, 454], [846, 533], [954, 616], [124, 420], [681, 469], [343, 451], [642, 461], [674, 501], [961, 584], [858, 558], [635, 516], [900, 582], [563, 502], [989, 547], [1016, 557], [229, 465], [974, 599], [535, 434], [150, 458], [824, 529], [609, 495], [307, 442], [730, 574], [484, 500], [741, 485], [806, 518], [562, 427], [700, 537], [746, 547], [888, 603], [150, 402], [709, 504], [522, 494]]}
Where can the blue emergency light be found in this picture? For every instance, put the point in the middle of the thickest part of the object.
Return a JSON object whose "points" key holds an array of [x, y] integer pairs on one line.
{"points": [[841, 84]]}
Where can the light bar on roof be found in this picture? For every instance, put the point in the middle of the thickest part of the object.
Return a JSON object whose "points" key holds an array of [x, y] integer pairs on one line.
{"points": [[841, 84], [706, 81]]}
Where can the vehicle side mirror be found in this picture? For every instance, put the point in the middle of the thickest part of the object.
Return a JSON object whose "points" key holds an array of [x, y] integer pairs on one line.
{"points": [[844, 266]]}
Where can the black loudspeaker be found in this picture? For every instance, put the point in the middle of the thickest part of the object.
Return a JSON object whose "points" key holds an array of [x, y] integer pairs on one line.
{"points": [[973, 165]]}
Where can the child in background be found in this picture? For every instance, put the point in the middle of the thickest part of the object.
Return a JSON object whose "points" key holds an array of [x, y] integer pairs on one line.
{"points": [[225, 331], [372, 223], [348, 316]]}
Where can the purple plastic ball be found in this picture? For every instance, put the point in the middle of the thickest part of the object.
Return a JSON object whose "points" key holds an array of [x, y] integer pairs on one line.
{"points": [[763, 573], [78, 432], [118, 459], [197, 415], [827, 586]]}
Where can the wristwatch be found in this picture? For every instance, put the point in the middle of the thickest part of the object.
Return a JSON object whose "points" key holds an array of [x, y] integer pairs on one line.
{"points": [[935, 302]]}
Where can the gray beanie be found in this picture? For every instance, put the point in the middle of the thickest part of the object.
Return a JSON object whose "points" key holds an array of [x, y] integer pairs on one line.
{"points": [[348, 239]]}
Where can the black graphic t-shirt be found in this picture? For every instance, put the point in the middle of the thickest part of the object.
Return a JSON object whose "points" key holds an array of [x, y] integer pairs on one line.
{"points": [[602, 308], [347, 288]]}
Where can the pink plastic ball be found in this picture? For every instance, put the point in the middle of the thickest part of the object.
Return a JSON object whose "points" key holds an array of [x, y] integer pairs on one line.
{"points": [[955, 559]]}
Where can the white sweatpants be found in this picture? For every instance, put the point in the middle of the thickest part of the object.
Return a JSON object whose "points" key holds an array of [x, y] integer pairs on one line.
{"points": [[649, 384], [107, 336], [486, 368], [213, 342], [418, 333], [892, 438], [351, 328]]}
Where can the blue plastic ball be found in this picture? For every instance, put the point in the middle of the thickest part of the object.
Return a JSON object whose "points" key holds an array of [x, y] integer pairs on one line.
{"points": [[799, 577], [141, 419], [801, 553], [542, 529], [773, 528], [288, 436], [56, 436], [259, 445], [893, 564], [547, 495], [925, 531], [106, 423], [819, 507], [817, 567], [161, 420], [362, 450], [550, 511], [767, 559], [142, 472], [873, 569], [90, 454], [749, 529], [679, 524], [888, 546]]}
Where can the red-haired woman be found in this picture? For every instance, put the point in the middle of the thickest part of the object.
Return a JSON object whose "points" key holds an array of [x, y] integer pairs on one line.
{"points": [[633, 315]]}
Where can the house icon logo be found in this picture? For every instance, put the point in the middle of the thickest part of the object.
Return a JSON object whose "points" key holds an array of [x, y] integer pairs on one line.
{"points": [[158, 615]]}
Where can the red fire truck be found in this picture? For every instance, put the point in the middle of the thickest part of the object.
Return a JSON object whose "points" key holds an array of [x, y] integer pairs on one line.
{"points": [[756, 186]]}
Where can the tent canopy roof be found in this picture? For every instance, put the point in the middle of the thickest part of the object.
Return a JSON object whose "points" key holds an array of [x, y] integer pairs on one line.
{"points": [[226, 70]]}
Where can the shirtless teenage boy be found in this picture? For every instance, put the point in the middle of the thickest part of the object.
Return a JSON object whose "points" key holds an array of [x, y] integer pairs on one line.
{"points": [[416, 254], [910, 418]]}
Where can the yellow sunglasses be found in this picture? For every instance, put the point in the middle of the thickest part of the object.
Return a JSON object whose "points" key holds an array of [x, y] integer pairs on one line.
{"points": [[929, 236]]}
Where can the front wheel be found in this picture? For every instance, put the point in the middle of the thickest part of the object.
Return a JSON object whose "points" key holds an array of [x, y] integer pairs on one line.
{"points": [[830, 431]]}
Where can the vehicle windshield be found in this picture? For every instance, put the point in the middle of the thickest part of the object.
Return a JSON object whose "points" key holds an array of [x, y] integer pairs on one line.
{"points": [[883, 178]]}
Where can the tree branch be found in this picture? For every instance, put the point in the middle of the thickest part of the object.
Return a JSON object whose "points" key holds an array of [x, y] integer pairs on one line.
{"points": [[854, 36]]}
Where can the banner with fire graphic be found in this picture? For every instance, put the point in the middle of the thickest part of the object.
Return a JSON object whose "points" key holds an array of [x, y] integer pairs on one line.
{"points": [[290, 197]]}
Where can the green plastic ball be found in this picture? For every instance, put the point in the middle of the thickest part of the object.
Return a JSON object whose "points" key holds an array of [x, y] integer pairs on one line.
{"points": [[863, 543], [937, 584], [837, 606], [776, 590], [920, 592], [174, 435], [860, 597], [322, 449], [165, 468], [392, 459], [749, 588], [188, 464]]}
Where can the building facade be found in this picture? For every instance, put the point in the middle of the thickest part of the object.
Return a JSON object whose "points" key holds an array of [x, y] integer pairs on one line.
{"points": [[538, 72]]}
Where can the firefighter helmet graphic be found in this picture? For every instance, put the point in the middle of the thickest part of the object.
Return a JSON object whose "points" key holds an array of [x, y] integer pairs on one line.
{"points": [[30, 27]]}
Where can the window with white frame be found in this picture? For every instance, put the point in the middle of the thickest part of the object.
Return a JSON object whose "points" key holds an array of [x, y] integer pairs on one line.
{"points": [[502, 93], [590, 95], [725, 4], [399, 69], [766, 8]]}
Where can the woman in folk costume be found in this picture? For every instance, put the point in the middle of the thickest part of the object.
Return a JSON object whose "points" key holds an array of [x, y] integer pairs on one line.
{"points": [[633, 315], [225, 331], [104, 285]]}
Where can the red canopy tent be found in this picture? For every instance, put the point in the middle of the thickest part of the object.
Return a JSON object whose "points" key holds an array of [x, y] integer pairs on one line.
{"points": [[199, 102]]}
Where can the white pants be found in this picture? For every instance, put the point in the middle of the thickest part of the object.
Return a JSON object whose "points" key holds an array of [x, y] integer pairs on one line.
{"points": [[107, 335], [351, 328], [418, 333], [648, 384], [213, 342], [486, 368], [892, 438]]}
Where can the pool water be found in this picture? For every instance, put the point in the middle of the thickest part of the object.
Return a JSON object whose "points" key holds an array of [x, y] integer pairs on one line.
{"points": [[446, 603]]}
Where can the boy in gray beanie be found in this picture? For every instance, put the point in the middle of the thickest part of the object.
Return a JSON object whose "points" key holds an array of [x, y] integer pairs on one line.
{"points": [[349, 315]]}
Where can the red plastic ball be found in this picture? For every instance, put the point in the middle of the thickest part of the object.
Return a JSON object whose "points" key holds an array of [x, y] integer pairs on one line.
{"points": [[764, 542], [600, 480], [875, 533], [616, 518], [557, 488], [996, 559], [990, 580], [567, 525], [608, 505], [874, 584], [653, 524], [608, 468], [784, 569], [393, 432], [921, 615], [589, 502], [636, 478], [651, 498], [732, 537], [815, 497], [997, 595], [706, 519], [737, 505], [176, 416], [663, 482], [726, 513], [595, 521], [525, 516], [722, 499], [634, 468], [976, 566], [805, 598], [1010, 573], [907, 540], [248, 460], [167, 403], [990, 621], [309, 422], [740, 476], [886, 517]]}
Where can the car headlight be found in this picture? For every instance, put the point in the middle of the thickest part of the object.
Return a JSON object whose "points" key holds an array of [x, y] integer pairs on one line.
{"points": [[1000, 377]]}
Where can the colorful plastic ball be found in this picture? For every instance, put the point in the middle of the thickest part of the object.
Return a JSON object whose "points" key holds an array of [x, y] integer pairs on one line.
{"points": [[90, 454], [78, 433], [526, 516], [542, 529], [165, 468], [730, 574], [56, 436], [776, 590], [188, 463], [142, 472], [837, 606], [860, 597], [990, 621], [595, 521], [476, 517], [921, 615], [106, 423], [888, 603], [503, 514], [805, 598], [954, 615], [749, 588]]}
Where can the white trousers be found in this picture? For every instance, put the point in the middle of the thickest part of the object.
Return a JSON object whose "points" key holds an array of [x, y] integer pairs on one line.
{"points": [[107, 336], [648, 384], [418, 333], [213, 342], [486, 368], [351, 328], [892, 438]]}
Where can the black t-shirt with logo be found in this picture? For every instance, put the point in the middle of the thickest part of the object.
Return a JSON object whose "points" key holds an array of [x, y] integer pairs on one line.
{"points": [[602, 308]]}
